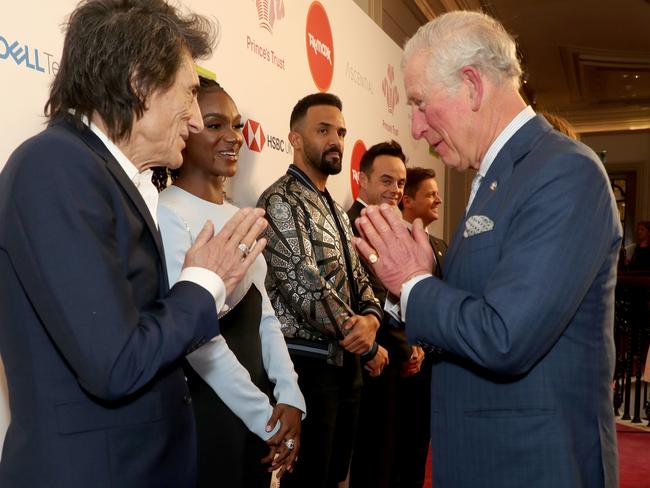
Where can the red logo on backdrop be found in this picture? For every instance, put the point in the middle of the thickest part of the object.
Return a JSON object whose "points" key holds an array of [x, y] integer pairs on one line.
{"points": [[357, 152], [320, 46], [254, 135], [391, 94]]}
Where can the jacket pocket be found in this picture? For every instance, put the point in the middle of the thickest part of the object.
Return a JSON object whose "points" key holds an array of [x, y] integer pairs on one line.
{"points": [[509, 412], [85, 415], [480, 241]]}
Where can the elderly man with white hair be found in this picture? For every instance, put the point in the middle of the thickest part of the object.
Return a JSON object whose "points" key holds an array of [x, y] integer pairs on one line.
{"points": [[524, 313]]}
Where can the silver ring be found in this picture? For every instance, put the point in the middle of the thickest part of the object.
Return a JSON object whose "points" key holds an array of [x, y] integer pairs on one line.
{"points": [[373, 258], [290, 443], [244, 249]]}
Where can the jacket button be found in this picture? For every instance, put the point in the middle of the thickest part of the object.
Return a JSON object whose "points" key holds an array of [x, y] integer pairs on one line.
{"points": [[187, 399]]}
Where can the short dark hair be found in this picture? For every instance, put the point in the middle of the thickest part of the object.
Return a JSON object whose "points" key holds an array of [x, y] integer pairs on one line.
{"points": [[300, 110], [208, 85], [415, 176], [390, 148], [161, 174], [116, 53]]}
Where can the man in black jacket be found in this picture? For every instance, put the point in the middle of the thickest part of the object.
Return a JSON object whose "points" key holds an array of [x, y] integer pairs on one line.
{"points": [[389, 435]]}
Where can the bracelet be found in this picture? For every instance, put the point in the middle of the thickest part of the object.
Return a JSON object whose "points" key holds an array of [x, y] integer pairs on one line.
{"points": [[371, 353]]}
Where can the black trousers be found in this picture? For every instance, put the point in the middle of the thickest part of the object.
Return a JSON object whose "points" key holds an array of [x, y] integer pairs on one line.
{"points": [[394, 430], [373, 457], [413, 428], [228, 453], [332, 395]]}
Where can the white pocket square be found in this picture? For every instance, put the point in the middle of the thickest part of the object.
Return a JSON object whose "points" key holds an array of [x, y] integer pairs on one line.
{"points": [[477, 224]]}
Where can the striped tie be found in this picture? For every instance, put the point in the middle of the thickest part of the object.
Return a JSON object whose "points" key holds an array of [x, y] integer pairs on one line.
{"points": [[476, 182]]}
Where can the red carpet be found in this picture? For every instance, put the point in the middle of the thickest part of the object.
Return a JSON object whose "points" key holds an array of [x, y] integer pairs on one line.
{"points": [[633, 456]]}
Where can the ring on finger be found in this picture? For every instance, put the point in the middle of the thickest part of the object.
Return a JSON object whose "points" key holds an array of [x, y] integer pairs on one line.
{"points": [[373, 258], [290, 443], [244, 249]]}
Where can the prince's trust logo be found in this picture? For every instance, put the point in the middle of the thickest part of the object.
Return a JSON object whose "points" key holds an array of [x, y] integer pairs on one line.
{"points": [[268, 11]]}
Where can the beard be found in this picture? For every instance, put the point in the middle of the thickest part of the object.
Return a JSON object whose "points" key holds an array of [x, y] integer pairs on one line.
{"points": [[329, 162]]}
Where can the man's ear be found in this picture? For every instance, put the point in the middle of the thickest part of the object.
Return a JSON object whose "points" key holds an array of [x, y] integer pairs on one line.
{"points": [[363, 180], [406, 201], [137, 89], [473, 81], [295, 139]]}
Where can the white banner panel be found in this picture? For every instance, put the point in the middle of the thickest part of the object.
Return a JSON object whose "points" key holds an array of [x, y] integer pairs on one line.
{"points": [[271, 53]]}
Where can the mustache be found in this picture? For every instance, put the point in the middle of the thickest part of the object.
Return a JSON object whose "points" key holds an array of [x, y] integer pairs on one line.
{"points": [[334, 149]]}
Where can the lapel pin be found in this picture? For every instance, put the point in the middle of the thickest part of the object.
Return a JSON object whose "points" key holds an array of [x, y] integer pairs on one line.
{"points": [[493, 185]]}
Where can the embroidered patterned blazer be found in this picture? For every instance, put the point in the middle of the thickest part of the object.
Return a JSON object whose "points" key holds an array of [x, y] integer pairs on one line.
{"points": [[315, 279]]}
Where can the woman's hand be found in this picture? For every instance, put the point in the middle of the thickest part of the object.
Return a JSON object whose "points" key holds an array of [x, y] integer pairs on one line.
{"points": [[285, 443]]}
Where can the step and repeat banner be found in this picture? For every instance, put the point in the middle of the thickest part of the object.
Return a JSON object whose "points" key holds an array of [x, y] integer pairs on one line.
{"points": [[270, 54]]}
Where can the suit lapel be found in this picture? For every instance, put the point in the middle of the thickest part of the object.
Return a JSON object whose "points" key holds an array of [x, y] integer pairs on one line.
{"points": [[517, 147], [454, 245], [354, 213], [438, 255], [96, 145]]}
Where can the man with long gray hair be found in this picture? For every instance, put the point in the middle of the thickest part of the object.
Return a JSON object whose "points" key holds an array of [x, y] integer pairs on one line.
{"points": [[525, 312], [90, 333]]}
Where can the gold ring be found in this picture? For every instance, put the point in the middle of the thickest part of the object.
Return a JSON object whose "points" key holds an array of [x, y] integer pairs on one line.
{"points": [[373, 258]]}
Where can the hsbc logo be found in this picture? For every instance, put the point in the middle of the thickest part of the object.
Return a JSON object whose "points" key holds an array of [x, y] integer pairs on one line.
{"points": [[254, 135], [256, 139], [278, 144]]}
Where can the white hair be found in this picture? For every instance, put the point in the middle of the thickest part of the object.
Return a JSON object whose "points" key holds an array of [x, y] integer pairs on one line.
{"points": [[463, 38]]}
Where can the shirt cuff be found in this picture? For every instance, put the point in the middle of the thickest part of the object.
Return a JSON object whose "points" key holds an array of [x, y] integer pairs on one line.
{"points": [[406, 289], [391, 306], [207, 279]]}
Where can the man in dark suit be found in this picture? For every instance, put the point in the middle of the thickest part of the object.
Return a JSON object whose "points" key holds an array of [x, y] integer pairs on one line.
{"points": [[525, 314], [422, 201], [382, 178], [90, 334]]}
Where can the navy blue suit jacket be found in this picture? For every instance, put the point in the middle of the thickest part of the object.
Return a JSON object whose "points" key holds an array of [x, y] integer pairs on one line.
{"points": [[90, 334], [526, 315]]}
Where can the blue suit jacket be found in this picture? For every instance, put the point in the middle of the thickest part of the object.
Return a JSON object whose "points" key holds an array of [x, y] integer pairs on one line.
{"points": [[526, 315], [90, 335]]}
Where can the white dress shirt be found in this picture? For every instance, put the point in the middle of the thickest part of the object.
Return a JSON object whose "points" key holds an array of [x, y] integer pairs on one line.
{"points": [[142, 181]]}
